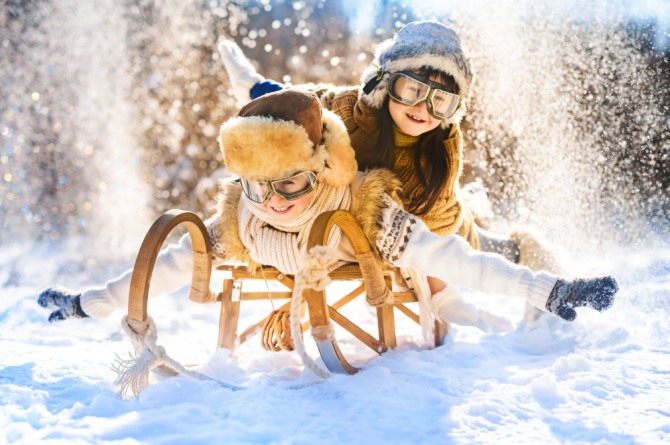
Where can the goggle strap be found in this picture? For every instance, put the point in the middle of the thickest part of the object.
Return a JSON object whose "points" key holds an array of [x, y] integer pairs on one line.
{"points": [[372, 83]]}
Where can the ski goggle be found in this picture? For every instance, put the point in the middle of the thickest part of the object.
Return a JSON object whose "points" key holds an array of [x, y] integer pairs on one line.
{"points": [[289, 188], [409, 89]]}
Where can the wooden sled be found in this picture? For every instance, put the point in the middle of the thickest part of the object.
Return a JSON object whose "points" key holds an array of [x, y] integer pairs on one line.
{"points": [[374, 280]]}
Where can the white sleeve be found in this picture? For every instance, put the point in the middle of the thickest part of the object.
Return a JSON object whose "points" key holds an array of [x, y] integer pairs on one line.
{"points": [[172, 270], [406, 241]]}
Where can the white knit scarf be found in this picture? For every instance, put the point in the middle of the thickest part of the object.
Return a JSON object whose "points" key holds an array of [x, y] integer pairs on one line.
{"points": [[281, 245]]}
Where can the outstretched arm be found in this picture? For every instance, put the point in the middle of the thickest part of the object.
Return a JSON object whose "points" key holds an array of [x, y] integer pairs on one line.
{"points": [[247, 84], [405, 241], [172, 270]]}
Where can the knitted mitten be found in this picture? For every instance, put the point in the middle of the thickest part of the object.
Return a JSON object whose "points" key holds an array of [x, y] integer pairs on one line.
{"points": [[65, 300], [241, 72], [596, 293]]}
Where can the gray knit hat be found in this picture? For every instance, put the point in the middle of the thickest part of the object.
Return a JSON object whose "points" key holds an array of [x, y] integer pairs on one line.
{"points": [[417, 45]]}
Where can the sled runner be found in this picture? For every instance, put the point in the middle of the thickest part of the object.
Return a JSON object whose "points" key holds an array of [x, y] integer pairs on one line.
{"points": [[322, 305]]}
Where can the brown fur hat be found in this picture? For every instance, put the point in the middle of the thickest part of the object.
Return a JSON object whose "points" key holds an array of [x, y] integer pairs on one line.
{"points": [[286, 132]]}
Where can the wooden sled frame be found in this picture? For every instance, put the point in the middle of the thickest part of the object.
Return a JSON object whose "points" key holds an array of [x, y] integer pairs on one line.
{"points": [[368, 270]]}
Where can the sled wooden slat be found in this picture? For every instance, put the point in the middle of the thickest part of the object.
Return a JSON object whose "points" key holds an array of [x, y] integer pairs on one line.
{"points": [[356, 331], [405, 310], [349, 297], [346, 272], [249, 296], [228, 317], [386, 326], [404, 297]]}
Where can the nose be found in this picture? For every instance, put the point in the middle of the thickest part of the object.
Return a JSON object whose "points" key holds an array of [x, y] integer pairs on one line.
{"points": [[423, 102], [423, 105], [275, 200]]}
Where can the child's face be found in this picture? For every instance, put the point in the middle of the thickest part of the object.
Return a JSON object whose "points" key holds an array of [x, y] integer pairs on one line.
{"points": [[283, 210], [413, 121]]}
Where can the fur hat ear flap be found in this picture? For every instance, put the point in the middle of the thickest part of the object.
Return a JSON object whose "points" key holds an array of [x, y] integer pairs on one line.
{"points": [[340, 162]]}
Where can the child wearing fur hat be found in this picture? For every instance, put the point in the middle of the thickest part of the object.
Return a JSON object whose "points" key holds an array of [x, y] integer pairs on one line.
{"points": [[293, 160], [406, 117]]}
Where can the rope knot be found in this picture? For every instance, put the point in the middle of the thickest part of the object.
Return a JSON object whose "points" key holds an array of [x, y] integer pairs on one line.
{"points": [[317, 264], [133, 373]]}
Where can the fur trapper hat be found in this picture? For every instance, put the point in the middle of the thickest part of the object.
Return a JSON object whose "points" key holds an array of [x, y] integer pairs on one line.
{"points": [[286, 132], [418, 45]]}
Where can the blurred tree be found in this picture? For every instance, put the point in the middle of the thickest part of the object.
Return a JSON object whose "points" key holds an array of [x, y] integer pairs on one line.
{"points": [[178, 95]]}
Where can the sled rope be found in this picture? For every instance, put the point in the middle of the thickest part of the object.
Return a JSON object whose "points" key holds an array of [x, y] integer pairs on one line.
{"points": [[133, 373], [276, 332], [317, 264]]}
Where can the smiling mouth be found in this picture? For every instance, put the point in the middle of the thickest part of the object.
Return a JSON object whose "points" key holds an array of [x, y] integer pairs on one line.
{"points": [[281, 210], [415, 118]]}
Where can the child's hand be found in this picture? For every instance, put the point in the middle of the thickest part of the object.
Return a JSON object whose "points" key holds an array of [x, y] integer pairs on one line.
{"points": [[66, 302], [596, 293]]}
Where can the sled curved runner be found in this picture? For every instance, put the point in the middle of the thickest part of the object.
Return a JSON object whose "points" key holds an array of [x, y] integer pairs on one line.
{"points": [[146, 258], [375, 285]]}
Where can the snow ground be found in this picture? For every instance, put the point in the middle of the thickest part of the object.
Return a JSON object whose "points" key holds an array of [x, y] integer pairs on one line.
{"points": [[601, 379]]}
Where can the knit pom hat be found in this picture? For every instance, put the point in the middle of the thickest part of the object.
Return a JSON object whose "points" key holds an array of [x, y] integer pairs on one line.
{"points": [[286, 132], [418, 45]]}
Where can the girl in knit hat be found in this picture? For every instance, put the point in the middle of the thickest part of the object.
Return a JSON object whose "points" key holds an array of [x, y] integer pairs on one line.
{"points": [[292, 161], [406, 117]]}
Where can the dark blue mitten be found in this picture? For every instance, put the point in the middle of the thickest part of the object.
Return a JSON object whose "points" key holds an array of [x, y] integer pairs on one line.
{"points": [[65, 301], [596, 293]]}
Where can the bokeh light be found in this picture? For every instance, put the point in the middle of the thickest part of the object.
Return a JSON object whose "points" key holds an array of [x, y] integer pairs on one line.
{"points": [[109, 110]]}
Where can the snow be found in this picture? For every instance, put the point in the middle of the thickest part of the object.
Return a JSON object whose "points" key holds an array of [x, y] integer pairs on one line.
{"points": [[601, 379]]}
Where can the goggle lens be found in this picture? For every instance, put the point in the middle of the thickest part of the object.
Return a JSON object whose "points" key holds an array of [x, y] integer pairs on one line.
{"points": [[409, 91], [289, 188], [443, 104]]}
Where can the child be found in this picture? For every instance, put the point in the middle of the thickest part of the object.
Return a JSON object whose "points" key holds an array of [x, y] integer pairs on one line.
{"points": [[295, 161], [406, 117]]}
